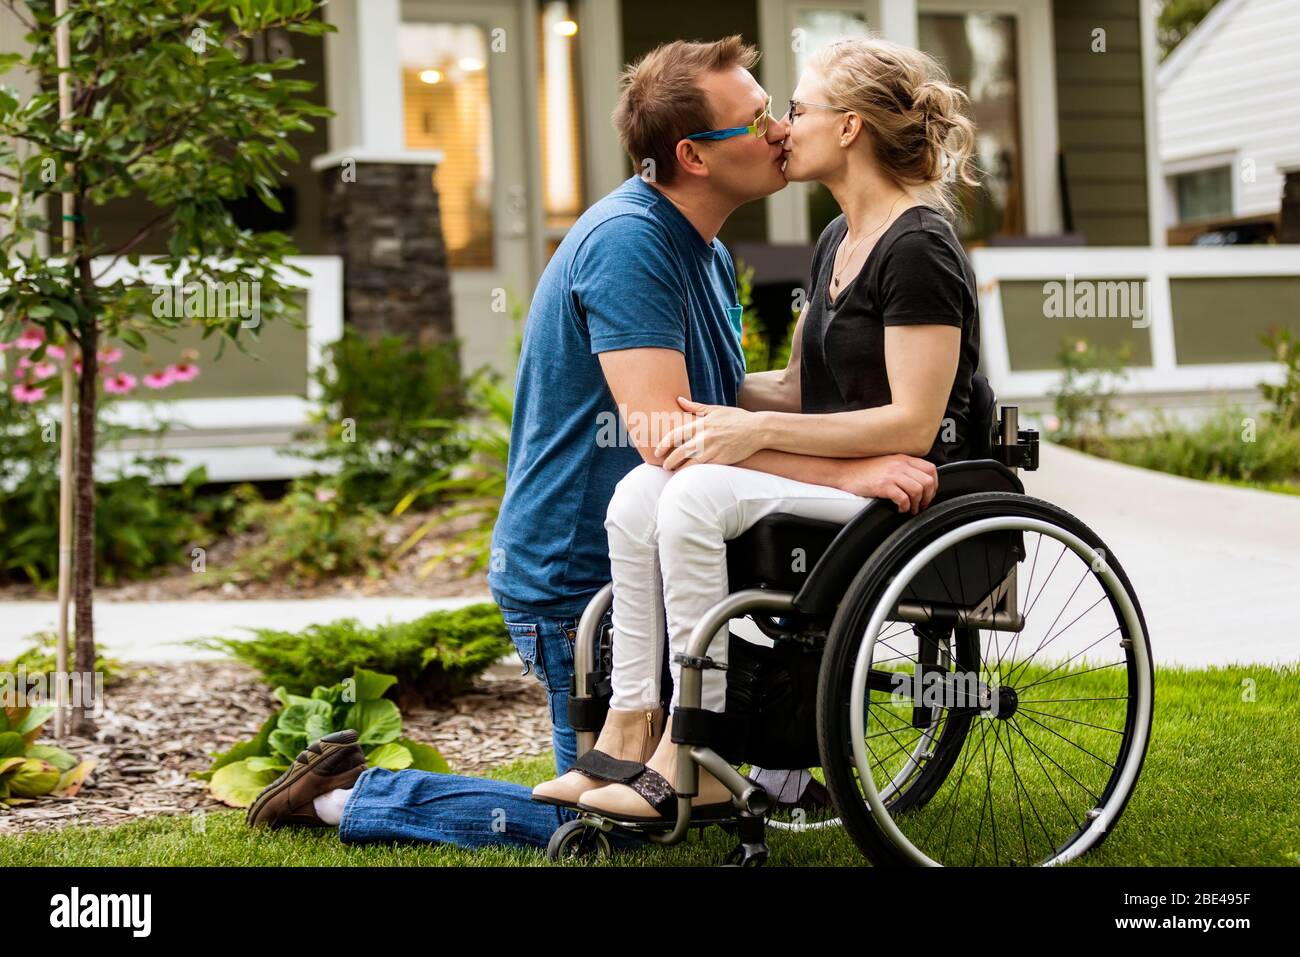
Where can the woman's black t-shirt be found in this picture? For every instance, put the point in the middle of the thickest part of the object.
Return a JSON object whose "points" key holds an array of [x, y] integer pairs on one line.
{"points": [[916, 274]]}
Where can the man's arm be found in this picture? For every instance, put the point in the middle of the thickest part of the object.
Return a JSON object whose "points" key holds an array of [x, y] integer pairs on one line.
{"points": [[645, 384]]}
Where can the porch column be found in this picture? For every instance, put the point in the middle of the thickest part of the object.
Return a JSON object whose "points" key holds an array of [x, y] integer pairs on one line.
{"points": [[894, 20]]}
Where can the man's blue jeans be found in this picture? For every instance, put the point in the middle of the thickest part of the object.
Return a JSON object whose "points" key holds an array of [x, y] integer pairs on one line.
{"points": [[477, 812]]}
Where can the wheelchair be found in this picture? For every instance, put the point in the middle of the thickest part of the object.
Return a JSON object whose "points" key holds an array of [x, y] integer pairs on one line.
{"points": [[922, 663]]}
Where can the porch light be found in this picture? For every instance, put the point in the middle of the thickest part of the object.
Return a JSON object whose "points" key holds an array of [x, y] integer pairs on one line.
{"points": [[431, 76], [566, 28]]}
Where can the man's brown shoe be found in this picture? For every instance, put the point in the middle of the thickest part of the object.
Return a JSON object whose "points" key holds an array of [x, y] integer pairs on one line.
{"points": [[335, 761]]}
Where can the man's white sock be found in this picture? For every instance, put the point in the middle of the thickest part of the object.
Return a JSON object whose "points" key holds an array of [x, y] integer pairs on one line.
{"points": [[329, 806]]}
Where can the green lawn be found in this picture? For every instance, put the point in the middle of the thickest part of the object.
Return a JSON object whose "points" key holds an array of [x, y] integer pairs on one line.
{"points": [[1219, 787]]}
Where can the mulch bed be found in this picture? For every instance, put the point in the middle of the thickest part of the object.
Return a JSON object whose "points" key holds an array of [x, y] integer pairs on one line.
{"points": [[162, 722]]}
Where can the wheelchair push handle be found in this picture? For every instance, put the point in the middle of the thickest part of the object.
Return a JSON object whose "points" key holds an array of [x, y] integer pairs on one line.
{"points": [[1016, 448]]}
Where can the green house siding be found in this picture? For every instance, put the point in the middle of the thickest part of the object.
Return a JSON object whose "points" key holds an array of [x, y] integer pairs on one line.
{"points": [[271, 363], [1035, 338], [1221, 319], [646, 25], [1101, 123]]}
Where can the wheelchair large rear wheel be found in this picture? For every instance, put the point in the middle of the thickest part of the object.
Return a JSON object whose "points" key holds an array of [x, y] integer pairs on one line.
{"points": [[1020, 744]]}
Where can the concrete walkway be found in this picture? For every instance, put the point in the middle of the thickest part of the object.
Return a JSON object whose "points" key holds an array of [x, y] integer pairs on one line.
{"points": [[154, 631], [1216, 568]]}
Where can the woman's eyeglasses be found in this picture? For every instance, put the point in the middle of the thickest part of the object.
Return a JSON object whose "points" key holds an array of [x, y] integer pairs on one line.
{"points": [[757, 128], [799, 104]]}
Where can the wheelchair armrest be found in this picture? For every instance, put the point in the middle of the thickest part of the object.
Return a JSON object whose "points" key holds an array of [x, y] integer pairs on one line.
{"points": [[830, 577]]}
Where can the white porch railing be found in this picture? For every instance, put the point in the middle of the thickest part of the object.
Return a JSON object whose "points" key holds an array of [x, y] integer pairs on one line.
{"points": [[238, 437], [1156, 268]]}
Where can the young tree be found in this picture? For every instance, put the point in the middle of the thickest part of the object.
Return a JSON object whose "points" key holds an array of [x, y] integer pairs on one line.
{"points": [[168, 110], [1178, 18]]}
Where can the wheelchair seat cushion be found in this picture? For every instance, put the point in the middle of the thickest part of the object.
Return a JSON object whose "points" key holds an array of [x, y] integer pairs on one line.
{"points": [[778, 551]]}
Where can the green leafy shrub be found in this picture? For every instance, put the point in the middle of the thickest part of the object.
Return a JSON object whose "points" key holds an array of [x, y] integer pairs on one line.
{"points": [[239, 774], [41, 658], [1229, 445], [475, 486], [433, 658], [761, 355], [387, 415], [141, 524], [1284, 398], [1084, 400], [29, 770], [311, 533]]}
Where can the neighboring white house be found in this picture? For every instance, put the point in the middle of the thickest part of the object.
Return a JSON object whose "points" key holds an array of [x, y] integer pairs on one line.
{"points": [[1228, 114]]}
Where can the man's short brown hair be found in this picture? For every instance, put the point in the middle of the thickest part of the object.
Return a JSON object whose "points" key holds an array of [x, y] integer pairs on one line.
{"points": [[662, 101]]}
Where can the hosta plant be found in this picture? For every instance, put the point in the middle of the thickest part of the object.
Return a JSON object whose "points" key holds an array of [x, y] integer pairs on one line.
{"points": [[238, 775], [28, 770]]}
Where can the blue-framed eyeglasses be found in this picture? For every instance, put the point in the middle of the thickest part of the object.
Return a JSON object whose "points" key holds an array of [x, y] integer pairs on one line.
{"points": [[757, 128]]}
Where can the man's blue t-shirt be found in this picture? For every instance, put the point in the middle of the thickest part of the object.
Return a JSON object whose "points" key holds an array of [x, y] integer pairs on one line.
{"points": [[631, 273]]}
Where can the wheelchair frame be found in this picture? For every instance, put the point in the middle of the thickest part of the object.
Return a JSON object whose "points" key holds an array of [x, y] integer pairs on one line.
{"points": [[1014, 449]]}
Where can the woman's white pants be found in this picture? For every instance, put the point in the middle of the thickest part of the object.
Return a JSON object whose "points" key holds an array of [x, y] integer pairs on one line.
{"points": [[679, 521]]}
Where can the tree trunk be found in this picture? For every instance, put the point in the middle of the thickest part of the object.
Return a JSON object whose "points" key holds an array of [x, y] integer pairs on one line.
{"points": [[83, 582]]}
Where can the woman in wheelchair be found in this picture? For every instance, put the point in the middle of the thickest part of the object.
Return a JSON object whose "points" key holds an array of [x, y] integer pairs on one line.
{"points": [[881, 365]]}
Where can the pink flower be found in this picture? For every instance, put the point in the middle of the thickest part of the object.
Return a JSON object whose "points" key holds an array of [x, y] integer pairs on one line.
{"points": [[25, 393], [30, 339], [55, 352], [120, 384], [44, 370], [24, 363], [109, 356], [5, 345], [325, 494], [182, 371], [159, 380]]}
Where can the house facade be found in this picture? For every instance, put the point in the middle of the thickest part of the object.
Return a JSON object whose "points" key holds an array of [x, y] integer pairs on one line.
{"points": [[468, 137], [1229, 124]]}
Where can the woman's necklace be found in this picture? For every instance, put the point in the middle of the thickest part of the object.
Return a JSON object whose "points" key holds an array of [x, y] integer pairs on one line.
{"points": [[835, 273]]}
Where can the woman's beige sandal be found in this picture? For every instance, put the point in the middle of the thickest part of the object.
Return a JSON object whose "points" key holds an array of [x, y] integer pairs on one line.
{"points": [[627, 801], [626, 741], [650, 798]]}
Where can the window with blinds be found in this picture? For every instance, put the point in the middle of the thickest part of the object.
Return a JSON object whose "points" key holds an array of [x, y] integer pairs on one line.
{"points": [[447, 106], [559, 118]]}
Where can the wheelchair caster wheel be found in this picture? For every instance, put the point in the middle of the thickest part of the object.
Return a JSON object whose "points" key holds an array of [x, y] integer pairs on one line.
{"points": [[575, 840], [747, 855]]}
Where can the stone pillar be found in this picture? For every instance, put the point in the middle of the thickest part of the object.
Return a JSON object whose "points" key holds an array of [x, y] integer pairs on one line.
{"points": [[386, 225]]}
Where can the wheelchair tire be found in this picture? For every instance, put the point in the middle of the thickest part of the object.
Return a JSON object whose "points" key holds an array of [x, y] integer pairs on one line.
{"points": [[905, 811], [576, 840]]}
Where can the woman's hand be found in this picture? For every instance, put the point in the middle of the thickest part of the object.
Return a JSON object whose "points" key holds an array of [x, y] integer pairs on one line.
{"points": [[908, 482], [720, 434]]}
